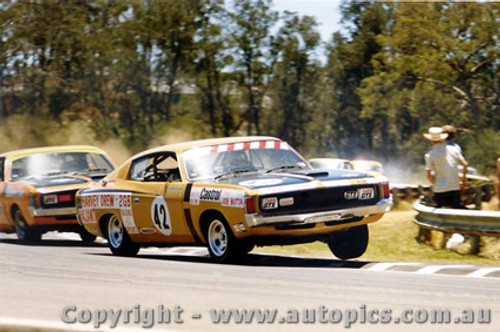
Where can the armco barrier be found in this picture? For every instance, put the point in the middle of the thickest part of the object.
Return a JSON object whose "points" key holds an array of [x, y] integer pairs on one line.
{"points": [[469, 222], [474, 194]]}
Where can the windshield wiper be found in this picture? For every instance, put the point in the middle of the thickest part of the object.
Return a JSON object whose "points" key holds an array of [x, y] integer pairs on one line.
{"points": [[282, 168], [234, 172]]}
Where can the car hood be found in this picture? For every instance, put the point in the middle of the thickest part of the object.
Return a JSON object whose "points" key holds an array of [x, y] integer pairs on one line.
{"points": [[258, 180]]}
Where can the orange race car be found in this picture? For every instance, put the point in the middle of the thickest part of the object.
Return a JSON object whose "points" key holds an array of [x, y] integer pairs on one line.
{"points": [[38, 186], [231, 194]]}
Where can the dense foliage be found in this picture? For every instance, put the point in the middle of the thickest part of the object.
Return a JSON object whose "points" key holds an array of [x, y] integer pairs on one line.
{"points": [[135, 70]]}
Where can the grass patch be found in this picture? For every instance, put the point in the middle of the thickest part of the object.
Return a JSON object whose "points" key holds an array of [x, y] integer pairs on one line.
{"points": [[392, 239]]}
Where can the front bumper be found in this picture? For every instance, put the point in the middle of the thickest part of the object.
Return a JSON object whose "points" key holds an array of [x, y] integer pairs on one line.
{"points": [[384, 205], [56, 212]]}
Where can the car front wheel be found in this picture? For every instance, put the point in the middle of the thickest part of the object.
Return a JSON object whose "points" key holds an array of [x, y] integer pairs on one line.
{"points": [[221, 241], [24, 232], [118, 238], [351, 243]]}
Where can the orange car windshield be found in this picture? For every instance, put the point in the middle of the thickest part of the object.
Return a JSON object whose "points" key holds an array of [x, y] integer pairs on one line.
{"points": [[219, 160], [52, 164]]}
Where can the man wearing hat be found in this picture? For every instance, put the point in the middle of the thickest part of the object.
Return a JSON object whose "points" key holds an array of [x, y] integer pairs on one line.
{"points": [[441, 164], [450, 140]]}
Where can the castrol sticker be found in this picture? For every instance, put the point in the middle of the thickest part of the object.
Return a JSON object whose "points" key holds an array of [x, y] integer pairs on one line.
{"points": [[225, 197]]}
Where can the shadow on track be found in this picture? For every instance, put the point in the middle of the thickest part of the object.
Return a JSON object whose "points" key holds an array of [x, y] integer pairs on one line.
{"points": [[255, 259], [53, 243]]}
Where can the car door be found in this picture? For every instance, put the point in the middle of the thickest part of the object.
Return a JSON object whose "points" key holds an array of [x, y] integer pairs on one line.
{"points": [[157, 199]]}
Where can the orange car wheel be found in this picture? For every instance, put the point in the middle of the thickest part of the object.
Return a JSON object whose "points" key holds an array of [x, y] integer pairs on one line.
{"points": [[25, 233]]}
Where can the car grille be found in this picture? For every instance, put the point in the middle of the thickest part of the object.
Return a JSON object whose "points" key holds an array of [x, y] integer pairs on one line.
{"points": [[316, 200]]}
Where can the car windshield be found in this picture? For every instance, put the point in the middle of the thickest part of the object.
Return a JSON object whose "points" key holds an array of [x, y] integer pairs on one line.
{"points": [[220, 160], [51, 164]]}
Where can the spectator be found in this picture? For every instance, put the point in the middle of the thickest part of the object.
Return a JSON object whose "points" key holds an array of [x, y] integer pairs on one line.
{"points": [[441, 164], [450, 140]]}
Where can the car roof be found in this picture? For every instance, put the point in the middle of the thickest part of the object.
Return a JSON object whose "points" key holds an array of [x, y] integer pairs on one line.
{"points": [[180, 147], [48, 149]]}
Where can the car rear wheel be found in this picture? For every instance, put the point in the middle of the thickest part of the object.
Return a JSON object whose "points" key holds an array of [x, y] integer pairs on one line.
{"points": [[118, 238], [351, 243], [25, 232]]}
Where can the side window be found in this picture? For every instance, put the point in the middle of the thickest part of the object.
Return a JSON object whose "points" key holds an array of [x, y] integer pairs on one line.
{"points": [[2, 171], [158, 167]]}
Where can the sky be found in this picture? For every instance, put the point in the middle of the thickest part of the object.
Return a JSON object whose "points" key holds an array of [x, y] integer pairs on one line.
{"points": [[327, 13]]}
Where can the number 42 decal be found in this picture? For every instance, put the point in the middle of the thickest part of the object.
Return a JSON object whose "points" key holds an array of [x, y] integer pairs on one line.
{"points": [[160, 215]]}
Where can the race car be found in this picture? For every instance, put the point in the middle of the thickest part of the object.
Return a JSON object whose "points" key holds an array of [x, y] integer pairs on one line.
{"points": [[38, 186], [230, 194]]}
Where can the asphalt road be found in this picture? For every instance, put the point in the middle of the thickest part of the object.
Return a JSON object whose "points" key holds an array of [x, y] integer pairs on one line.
{"points": [[38, 283]]}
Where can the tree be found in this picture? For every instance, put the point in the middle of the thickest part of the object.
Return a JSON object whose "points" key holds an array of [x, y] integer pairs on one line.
{"points": [[255, 52]]}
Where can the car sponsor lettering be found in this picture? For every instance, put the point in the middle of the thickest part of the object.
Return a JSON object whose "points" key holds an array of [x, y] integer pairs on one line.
{"points": [[101, 201], [351, 194], [210, 195], [233, 198], [270, 203], [366, 193], [88, 216], [128, 221], [286, 201]]}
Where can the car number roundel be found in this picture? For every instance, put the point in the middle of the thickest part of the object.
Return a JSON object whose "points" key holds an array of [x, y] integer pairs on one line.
{"points": [[160, 215]]}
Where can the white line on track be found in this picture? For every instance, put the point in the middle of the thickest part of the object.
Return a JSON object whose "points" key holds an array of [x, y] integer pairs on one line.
{"points": [[435, 268], [483, 272], [386, 266]]}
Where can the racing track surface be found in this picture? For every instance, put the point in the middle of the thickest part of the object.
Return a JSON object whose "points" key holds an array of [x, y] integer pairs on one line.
{"points": [[38, 281]]}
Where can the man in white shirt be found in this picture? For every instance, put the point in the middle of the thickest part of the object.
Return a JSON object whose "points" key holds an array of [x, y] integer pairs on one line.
{"points": [[441, 164]]}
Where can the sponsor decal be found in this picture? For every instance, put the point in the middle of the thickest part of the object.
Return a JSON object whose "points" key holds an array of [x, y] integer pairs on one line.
{"points": [[13, 193], [147, 230], [160, 216], [211, 195], [233, 198], [88, 216], [194, 197], [226, 197], [286, 201], [261, 182], [366, 193], [128, 221], [351, 194], [101, 201], [270, 203]]}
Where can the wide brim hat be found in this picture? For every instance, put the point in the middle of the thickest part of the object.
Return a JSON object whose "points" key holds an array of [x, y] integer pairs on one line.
{"points": [[435, 134]]}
